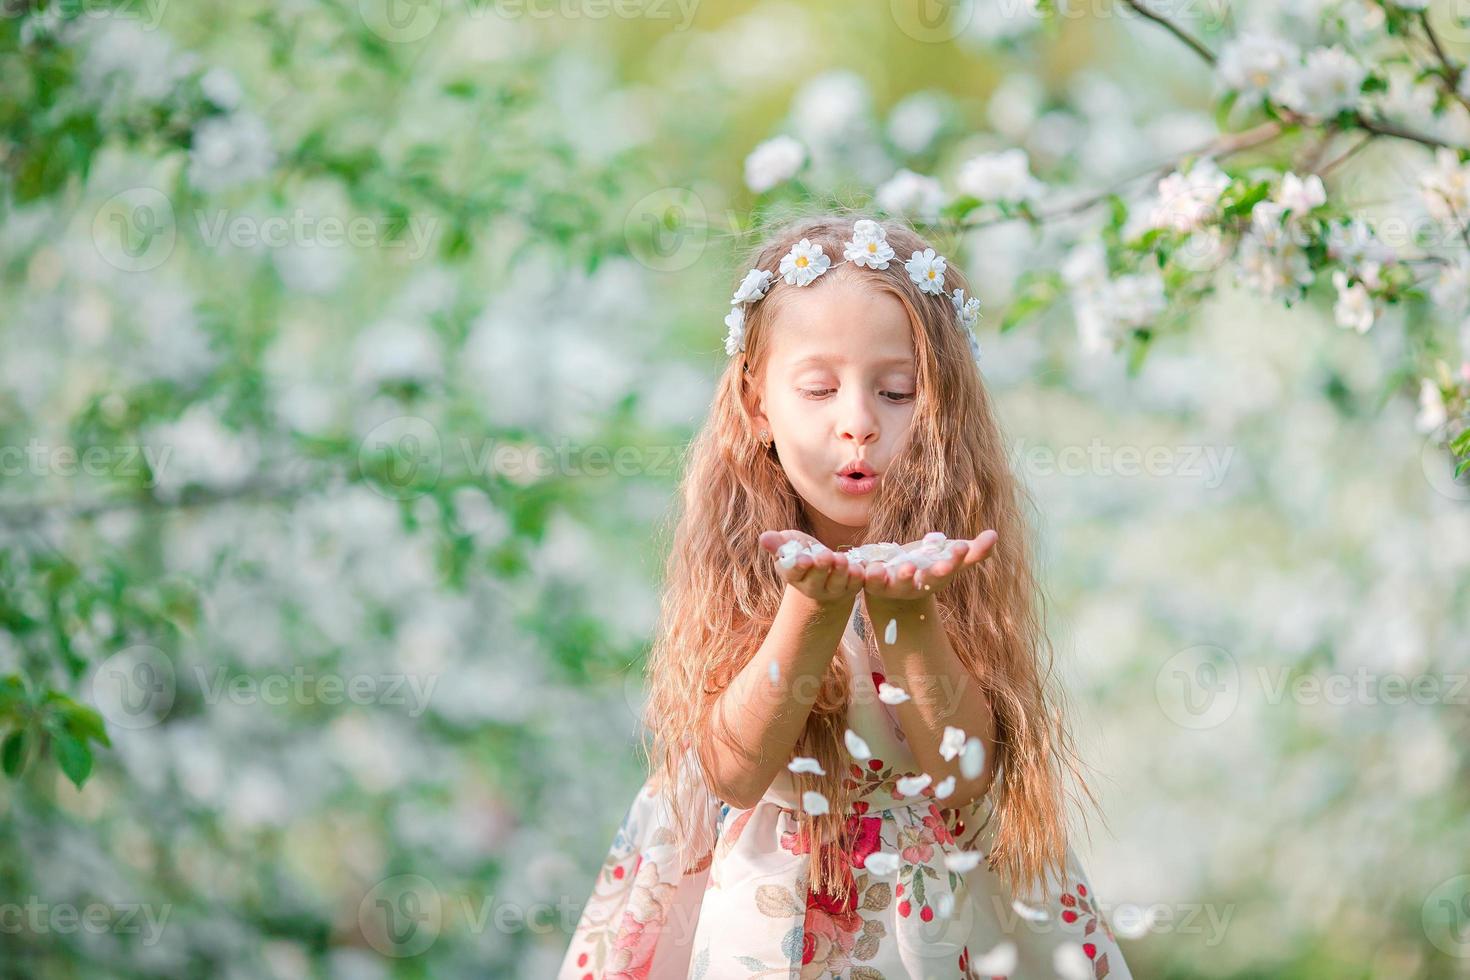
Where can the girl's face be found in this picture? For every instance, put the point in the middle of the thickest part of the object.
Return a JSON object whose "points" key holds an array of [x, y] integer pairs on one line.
{"points": [[838, 387]]}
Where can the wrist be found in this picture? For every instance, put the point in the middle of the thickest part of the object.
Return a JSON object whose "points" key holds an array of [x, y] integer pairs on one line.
{"points": [[894, 608]]}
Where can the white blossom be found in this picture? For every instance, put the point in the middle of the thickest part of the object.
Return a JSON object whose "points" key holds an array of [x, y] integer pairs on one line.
{"points": [[1446, 187], [814, 803], [857, 746], [735, 336], [1253, 63], [1300, 196], [804, 263], [869, 245], [1186, 201], [228, 150], [753, 286], [967, 309], [910, 193], [221, 87], [1002, 176], [1354, 306], [1329, 81], [944, 787], [805, 763], [772, 162], [927, 269], [396, 351], [1432, 410], [916, 120]]}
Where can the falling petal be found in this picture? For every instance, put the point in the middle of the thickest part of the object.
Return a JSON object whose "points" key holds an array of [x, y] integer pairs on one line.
{"points": [[962, 861], [857, 746], [1027, 912], [952, 742], [913, 785], [1071, 962], [944, 787], [775, 671], [890, 635], [1132, 922], [944, 908], [814, 803], [805, 763], [881, 862], [934, 537], [972, 760], [999, 962], [892, 693]]}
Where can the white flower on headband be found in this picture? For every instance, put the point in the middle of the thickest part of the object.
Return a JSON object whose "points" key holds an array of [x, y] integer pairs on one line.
{"points": [[968, 310], [753, 286], [869, 245], [804, 263], [927, 269], [974, 345], [735, 339]]}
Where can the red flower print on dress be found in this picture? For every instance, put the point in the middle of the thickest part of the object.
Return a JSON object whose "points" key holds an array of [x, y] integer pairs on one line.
{"points": [[831, 931], [1078, 911]]}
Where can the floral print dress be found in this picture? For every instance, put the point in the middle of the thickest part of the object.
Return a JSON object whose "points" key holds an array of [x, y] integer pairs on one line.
{"points": [[742, 908]]}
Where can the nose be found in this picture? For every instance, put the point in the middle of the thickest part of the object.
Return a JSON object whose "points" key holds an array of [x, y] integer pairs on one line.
{"points": [[859, 423]]}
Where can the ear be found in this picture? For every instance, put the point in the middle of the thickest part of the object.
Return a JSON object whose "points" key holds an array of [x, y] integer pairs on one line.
{"points": [[750, 396]]}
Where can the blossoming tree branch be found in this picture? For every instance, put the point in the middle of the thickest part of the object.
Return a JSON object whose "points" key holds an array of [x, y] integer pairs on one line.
{"points": [[1155, 246]]}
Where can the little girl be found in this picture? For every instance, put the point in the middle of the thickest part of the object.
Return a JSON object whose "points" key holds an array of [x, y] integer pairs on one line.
{"points": [[858, 770]]}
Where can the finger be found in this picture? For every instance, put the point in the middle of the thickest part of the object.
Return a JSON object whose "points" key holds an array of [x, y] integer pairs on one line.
{"points": [[982, 546], [798, 572]]}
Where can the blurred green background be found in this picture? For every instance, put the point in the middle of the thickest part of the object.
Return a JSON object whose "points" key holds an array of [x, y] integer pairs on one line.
{"points": [[347, 356]]}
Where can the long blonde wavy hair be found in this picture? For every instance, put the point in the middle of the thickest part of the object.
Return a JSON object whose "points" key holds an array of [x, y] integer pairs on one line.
{"points": [[721, 590]]}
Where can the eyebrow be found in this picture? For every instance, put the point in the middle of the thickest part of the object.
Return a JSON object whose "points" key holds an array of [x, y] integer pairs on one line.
{"points": [[839, 359]]}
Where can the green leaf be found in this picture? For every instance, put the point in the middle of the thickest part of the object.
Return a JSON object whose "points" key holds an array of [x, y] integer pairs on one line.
{"points": [[85, 723], [13, 752], [12, 694], [74, 756]]}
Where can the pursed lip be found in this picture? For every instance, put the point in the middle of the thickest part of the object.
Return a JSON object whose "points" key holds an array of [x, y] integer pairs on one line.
{"points": [[857, 466]]}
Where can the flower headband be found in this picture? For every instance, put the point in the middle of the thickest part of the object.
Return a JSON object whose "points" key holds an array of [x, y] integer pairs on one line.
{"points": [[868, 247]]}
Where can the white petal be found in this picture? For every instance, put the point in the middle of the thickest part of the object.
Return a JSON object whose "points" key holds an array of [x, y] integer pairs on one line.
{"points": [[944, 788], [1071, 962], [972, 760], [805, 763], [775, 671], [952, 743], [1027, 912], [962, 861], [881, 862], [892, 693], [999, 962], [814, 803], [913, 785], [944, 908], [857, 746], [890, 635]]}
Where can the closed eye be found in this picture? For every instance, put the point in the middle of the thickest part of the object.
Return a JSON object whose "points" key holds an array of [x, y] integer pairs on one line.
{"points": [[897, 397]]}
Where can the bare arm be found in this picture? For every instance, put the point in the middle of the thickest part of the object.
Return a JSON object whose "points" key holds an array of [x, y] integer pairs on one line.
{"points": [[942, 692], [754, 724]]}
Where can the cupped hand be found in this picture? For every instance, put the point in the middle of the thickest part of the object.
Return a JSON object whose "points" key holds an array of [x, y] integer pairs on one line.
{"points": [[829, 578], [904, 580]]}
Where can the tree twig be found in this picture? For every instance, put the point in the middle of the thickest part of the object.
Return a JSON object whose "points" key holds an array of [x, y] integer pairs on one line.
{"points": [[1174, 29]]}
